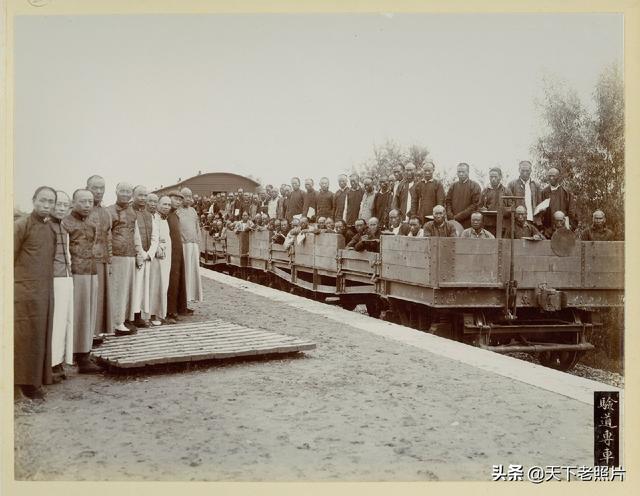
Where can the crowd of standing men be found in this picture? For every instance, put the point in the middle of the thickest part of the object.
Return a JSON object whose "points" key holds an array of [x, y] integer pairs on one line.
{"points": [[83, 271]]}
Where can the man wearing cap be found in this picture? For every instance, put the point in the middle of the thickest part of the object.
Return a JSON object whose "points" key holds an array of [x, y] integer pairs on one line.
{"points": [[428, 193], [190, 231], [597, 231], [177, 291], [82, 235], [463, 197], [148, 232], [126, 259], [102, 252]]}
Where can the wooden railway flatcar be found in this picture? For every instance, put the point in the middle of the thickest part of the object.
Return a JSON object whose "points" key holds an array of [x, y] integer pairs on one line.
{"points": [[539, 297]]}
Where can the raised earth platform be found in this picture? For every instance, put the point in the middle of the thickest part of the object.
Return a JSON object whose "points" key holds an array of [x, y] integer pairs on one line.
{"points": [[190, 342]]}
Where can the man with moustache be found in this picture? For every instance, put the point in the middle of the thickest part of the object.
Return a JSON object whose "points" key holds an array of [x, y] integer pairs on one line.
{"points": [[190, 230], [383, 201], [296, 200], [340, 199], [310, 203], [100, 217], [354, 198], [62, 335], [125, 260], [406, 192], [82, 235], [428, 193], [148, 239], [34, 247], [177, 291], [463, 197], [524, 186], [160, 264], [324, 199]]}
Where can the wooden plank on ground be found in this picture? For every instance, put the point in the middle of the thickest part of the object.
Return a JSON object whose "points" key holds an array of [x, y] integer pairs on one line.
{"points": [[189, 342]]}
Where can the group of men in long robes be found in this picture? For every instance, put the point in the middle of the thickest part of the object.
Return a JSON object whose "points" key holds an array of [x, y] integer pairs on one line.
{"points": [[83, 271]]}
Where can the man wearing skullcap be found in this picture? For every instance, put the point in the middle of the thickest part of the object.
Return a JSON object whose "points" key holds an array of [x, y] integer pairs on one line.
{"points": [[177, 291], [190, 231]]}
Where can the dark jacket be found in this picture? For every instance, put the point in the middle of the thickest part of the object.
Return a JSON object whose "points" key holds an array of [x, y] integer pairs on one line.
{"points": [[445, 230], [559, 200], [82, 237], [517, 189], [295, 204], [145, 227], [324, 200], [123, 223], [426, 196], [339, 197], [593, 234], [101, 218], [402, 198], [310, 201], [353, 205], [462, 200], [369, 242], [382, 204]]}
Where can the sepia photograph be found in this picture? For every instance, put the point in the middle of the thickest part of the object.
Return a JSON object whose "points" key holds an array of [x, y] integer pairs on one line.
{"points": [[361, 246]]}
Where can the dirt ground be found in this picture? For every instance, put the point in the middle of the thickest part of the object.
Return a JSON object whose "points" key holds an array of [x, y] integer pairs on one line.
{"points": [[359, 407]]}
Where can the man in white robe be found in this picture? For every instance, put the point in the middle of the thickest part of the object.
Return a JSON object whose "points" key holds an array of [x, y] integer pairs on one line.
{"points": [[62, 336], [190, 232], [160, 264], [147, 241]]}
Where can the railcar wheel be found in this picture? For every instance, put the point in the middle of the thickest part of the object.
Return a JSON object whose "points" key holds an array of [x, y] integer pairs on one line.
{"points": [[559, 360], [374, 309]]}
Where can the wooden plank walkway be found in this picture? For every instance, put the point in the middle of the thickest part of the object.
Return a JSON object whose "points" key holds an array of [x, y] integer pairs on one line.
{"points": [[210, 340]]}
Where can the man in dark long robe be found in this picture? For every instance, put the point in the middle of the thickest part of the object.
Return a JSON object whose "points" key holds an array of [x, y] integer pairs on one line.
{"points": [[560, 199], [463, 197], [177, 292], [34, 246]]}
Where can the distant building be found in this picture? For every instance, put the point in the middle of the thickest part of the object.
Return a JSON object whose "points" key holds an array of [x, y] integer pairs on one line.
{"points": [[212, 183]]}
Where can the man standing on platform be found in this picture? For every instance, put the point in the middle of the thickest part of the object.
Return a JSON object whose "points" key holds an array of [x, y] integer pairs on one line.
{"points": [[324, 199], [160, 264], [524, 186], [190, 230], [340, 199], [560, 199], [62, 336], [463, 197], [148, 239], [82, 236], [177, 291], [125, 260], [100, 217], [34, 247], [152, 203], [428, 193]]}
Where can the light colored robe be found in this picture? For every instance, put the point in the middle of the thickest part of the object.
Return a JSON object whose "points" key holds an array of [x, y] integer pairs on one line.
{"points": [[190, 233], [141, 301], [160, 270]]}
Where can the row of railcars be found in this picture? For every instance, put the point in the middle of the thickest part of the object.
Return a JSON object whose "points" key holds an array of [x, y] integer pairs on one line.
{"points": [[538, 297]]}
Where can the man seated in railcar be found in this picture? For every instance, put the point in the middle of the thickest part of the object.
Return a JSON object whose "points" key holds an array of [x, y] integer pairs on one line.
{"points": [[370, 240], [476, 230], [244, 224], [598, 231], [329, 225], [396, 226], [320, 225], [439, 226], [522, 227], [360, 229], [341, 228], [560, 221], [415, 231]]}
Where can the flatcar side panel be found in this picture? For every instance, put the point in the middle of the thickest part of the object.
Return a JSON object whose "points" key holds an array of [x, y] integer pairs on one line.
{"points": [[603, 266], [469, 262], [535, 263], [406, 259], [238, 248], [358, 262], [326, 251], [304, 250], [259, 242]]}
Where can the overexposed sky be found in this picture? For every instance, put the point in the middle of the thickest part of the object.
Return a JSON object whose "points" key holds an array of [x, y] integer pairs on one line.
{"points": [[149, 99]]}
